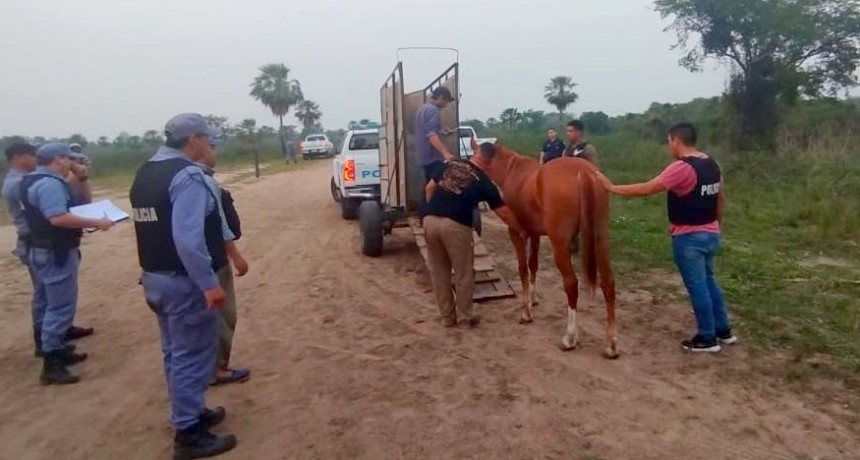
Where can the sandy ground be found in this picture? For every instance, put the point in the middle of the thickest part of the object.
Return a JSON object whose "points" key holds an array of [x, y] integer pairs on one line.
{"points": [[348, 363]]}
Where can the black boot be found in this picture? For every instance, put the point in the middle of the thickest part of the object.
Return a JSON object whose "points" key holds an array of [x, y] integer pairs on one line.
{"points": [[75, 332], [70, 347], [213, 417], [37, 340], [198, 442], [54, 370], [70, 358]]}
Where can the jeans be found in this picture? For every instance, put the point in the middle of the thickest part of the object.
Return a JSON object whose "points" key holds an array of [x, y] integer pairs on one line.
{"points": [[189, 342], [694, 255], [55, 294]]}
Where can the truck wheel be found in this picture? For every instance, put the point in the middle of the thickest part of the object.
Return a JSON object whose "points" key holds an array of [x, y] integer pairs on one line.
{"points": [[335, 192], [477, 225], [370, 221], [349, 208]]}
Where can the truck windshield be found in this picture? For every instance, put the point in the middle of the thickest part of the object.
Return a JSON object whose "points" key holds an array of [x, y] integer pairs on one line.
{"points": [[465, 132], [315, 138], [369, 141]]}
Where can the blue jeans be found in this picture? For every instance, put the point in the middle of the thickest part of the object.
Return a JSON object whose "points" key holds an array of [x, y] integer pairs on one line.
{"points": [[189, 342], [694, 255], [55, 294]]}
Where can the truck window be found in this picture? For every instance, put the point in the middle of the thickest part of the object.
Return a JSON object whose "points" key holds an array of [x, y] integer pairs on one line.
{"points": [[315, 138], [368, 141], [465, 133]]}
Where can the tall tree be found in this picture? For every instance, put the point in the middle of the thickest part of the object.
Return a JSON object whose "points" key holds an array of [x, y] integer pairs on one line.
{"points": [[152, 138], [596, 122], [309, 114], [510, 118], [78, 139], [559, 93], [779, 50], [103, 141], [274, 89]]}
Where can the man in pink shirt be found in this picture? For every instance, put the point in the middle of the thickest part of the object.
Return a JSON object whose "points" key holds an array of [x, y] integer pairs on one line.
{"points": [[693, 182]]}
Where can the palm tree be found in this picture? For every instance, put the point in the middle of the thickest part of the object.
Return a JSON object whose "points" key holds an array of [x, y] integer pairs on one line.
{"points": [[308, 112], [559, 93], [275, 90]]}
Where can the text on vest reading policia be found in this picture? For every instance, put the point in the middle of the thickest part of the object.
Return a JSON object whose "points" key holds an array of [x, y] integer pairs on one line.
{"points": [[144, 215], [710, 190]]}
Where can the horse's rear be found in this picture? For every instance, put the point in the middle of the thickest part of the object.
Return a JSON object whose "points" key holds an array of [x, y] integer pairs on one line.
{"points": [[573, 204]]}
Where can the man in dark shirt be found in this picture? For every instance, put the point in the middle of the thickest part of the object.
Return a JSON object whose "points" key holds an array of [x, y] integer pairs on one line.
{"points": [[452, 193], [552, 148]]}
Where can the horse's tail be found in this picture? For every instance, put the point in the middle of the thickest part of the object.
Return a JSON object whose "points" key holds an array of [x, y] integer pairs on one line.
{"points": [[588, 232]]}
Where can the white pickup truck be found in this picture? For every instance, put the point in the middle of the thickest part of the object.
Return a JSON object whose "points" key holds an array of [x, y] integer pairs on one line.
{"points": [[317, 145], [355, 171], [465, 135]]}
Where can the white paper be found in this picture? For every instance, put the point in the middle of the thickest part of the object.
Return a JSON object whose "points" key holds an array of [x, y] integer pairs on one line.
{"points": [[100, 210]]}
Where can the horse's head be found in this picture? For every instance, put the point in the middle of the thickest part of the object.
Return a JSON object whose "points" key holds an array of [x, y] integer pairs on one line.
{"points": [[494, 159]]}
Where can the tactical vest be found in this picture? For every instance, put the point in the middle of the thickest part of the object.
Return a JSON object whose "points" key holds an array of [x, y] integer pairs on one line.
{"points": [[698, 207], [152, 211], [42, 233]]}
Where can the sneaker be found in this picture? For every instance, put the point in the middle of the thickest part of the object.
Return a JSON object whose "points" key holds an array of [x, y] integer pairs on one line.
{"points": [[75, 332], [213, 417], [198, 442], [727, 338], [697, 345]]}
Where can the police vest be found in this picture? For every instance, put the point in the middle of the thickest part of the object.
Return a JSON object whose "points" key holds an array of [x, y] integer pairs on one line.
{"points": [[698, 207], [42, 233], [152, 211], [230, 213], [576, 150]]}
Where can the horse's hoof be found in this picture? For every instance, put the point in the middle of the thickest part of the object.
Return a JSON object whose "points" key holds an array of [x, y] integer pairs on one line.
{"points": [[611, 354], [567, 345]]}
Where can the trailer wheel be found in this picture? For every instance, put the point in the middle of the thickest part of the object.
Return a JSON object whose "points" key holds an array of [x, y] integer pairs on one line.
{"points": [[370, 221], [349, 208], [477, 225]]}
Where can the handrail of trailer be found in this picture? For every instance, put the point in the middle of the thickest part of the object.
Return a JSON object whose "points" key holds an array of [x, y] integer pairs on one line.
{"points": [[395, 77]]}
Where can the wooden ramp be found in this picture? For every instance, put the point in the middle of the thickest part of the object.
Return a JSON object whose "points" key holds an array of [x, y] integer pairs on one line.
{"points": [[489, 284]]}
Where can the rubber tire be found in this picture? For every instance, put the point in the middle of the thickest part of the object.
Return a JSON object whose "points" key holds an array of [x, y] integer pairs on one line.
{"points": [[477, 224], [335, 193], [370, 221], [349, 208]]}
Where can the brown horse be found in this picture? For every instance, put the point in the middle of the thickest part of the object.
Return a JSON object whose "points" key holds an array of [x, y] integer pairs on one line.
{"points": [[564, 201]]}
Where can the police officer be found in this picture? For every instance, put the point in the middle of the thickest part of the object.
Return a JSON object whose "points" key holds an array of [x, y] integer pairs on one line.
{"points": [[180, 245], [22, 160], [552, 148], [53, 256]]}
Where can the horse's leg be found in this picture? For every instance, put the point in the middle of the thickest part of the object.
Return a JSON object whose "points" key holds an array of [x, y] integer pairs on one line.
{"points": [[520, 247], [534, 252], [607, 285], [561, 252]]}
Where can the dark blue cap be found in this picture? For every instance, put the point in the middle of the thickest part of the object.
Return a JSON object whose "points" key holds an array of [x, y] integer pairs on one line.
{"points": [[186, 125], [53, 150]]}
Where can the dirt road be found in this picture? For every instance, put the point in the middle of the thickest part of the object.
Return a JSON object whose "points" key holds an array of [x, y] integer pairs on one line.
{"points": [[348, 363]]}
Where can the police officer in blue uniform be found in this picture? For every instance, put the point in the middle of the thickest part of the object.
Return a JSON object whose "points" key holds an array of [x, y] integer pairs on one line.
{"points": [[552, 148], [180, 245], [53, 255], [22, 160]]}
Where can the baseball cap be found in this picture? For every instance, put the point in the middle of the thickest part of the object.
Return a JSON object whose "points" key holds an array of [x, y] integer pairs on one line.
{"points": [[186, 125], [53, 150], [442, 92]]}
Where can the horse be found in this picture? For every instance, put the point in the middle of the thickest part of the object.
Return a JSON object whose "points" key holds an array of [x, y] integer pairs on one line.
{"points": [[564, 201]]}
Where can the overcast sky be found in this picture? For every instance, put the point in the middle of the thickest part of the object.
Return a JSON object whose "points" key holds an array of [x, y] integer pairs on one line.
{"points": [[100, 67]]}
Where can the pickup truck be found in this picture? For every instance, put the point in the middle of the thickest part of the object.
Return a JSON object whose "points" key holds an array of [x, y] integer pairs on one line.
{"points": [[465, 135], [355, 171], [317, 145]]}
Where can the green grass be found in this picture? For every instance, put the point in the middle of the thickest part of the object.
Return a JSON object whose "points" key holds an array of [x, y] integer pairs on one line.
{"points": [[791, 260]]}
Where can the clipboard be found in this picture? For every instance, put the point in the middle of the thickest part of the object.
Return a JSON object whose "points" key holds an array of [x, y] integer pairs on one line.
{"points": [[100, 210]]}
